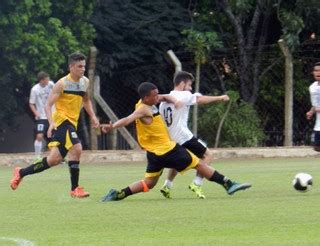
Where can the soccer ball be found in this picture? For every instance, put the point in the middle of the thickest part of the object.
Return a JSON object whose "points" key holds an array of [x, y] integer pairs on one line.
{"points": [[302, 182]]}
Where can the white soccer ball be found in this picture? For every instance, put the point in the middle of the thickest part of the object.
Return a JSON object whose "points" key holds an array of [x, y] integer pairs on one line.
{"points": [[302, 182]]}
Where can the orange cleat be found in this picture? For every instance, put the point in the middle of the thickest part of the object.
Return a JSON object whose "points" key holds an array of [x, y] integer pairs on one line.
{"points": [[16, 179], [79, 193]]}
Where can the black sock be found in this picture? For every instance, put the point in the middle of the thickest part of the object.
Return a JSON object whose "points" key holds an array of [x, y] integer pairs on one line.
{"points": [[36, 167], [124, 193], [74, 173], [221, 179]]}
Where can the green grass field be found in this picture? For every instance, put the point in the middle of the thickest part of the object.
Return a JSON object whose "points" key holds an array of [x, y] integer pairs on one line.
{"points": [[270, 213]]}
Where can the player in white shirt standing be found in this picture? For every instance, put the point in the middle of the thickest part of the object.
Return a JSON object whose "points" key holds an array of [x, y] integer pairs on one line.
{"points": [[177, 123], [314, 90], [37, 101]]}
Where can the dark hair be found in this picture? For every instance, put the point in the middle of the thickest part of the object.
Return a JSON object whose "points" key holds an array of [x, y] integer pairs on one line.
{"points": [[77, 56], [182, 76], [145, 88], [42, 75]]}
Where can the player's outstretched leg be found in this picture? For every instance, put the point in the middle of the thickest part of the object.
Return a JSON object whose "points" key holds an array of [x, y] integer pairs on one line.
{"points": [[112, 195], [212, 175], [16, 178], [234, 187], [198, 190], [166, 191], [196, 186], [140, 186], [168, 183], [39, 165]]}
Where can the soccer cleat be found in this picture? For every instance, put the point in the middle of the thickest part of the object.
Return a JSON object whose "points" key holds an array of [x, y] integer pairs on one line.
{"points": [[16, 179], [198, 190], [165, 191], [79, 193], [111, 196], [236, 187]]}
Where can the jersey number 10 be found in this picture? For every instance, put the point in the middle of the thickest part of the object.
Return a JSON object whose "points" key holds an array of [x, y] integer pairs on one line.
{"points": [[167, 113]]}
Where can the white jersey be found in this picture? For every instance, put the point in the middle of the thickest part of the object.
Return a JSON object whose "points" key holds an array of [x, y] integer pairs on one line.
{"points": [[39, 96], [314, 90], [177, 119]]}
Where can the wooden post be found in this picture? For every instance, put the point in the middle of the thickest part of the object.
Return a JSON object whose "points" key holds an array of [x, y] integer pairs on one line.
{"points": [[91, 71], [288, 103], [105, 107]]}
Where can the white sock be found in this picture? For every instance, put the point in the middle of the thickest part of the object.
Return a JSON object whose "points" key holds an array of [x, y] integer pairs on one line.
{"points": [[37, 148], [198, 180], [168, 183]]}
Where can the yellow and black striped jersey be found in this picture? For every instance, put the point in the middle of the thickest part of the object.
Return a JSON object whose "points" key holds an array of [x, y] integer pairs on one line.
{"points": [[154, 137], [69, 104]]}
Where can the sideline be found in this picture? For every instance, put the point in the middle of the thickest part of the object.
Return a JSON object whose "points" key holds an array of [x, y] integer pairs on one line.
{"points": [[116, 156], [18, 241]]}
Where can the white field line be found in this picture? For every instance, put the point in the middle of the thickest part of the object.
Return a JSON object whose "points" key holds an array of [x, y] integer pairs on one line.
{"points": [[18, 241]]}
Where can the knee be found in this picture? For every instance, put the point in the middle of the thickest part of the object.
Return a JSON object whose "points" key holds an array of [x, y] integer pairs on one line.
{"points": [[75, 151], [53, 161], [39, 137], [77, 148]]}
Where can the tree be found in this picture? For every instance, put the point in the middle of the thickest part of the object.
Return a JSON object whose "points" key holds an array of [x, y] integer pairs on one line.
{"points": [[199, 44], [133, 38], [32, 38], [241, 126]]}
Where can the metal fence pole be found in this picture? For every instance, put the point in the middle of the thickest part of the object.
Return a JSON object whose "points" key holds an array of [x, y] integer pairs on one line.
{"points": [[288, 104]]}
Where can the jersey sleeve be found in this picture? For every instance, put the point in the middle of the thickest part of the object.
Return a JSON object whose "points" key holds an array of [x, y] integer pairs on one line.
{"points": [[32, 98], [191, 98], [314, 96]]}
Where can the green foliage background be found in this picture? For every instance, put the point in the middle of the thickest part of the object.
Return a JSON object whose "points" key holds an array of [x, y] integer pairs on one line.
{"points": [[132, 38], [241, 128], [38, 35]]}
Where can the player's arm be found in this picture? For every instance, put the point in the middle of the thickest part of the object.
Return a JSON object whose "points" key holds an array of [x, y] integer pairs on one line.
{"points": [[32, 105], [316, 109], [170, 99], [34, 111], [310, 113], [87, 105], [212, 99], [52, 98], [140, 113]]}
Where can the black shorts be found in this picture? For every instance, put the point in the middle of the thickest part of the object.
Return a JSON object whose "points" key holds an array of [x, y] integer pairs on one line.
{"points": [[178, 158], [41, 126], [315, 138], [196, 146], [64, 137]]}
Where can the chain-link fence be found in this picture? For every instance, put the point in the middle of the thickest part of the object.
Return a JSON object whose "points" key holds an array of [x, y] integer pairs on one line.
{"points": [[248, 124]]}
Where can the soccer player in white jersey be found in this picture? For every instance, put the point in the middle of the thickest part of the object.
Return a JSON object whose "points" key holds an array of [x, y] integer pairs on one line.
{"points": [[177, 123], [37, 101], [314, 90]]}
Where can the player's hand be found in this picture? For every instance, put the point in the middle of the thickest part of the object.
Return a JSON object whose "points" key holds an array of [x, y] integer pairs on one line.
{"points": [[95, 122], [225, 98], [37, 116], [50, 129], [105, 128], [309, 115]]}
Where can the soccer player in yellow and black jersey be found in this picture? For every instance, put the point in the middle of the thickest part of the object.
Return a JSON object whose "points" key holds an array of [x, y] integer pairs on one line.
{"points": [[67, 97], [162, 152]]}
